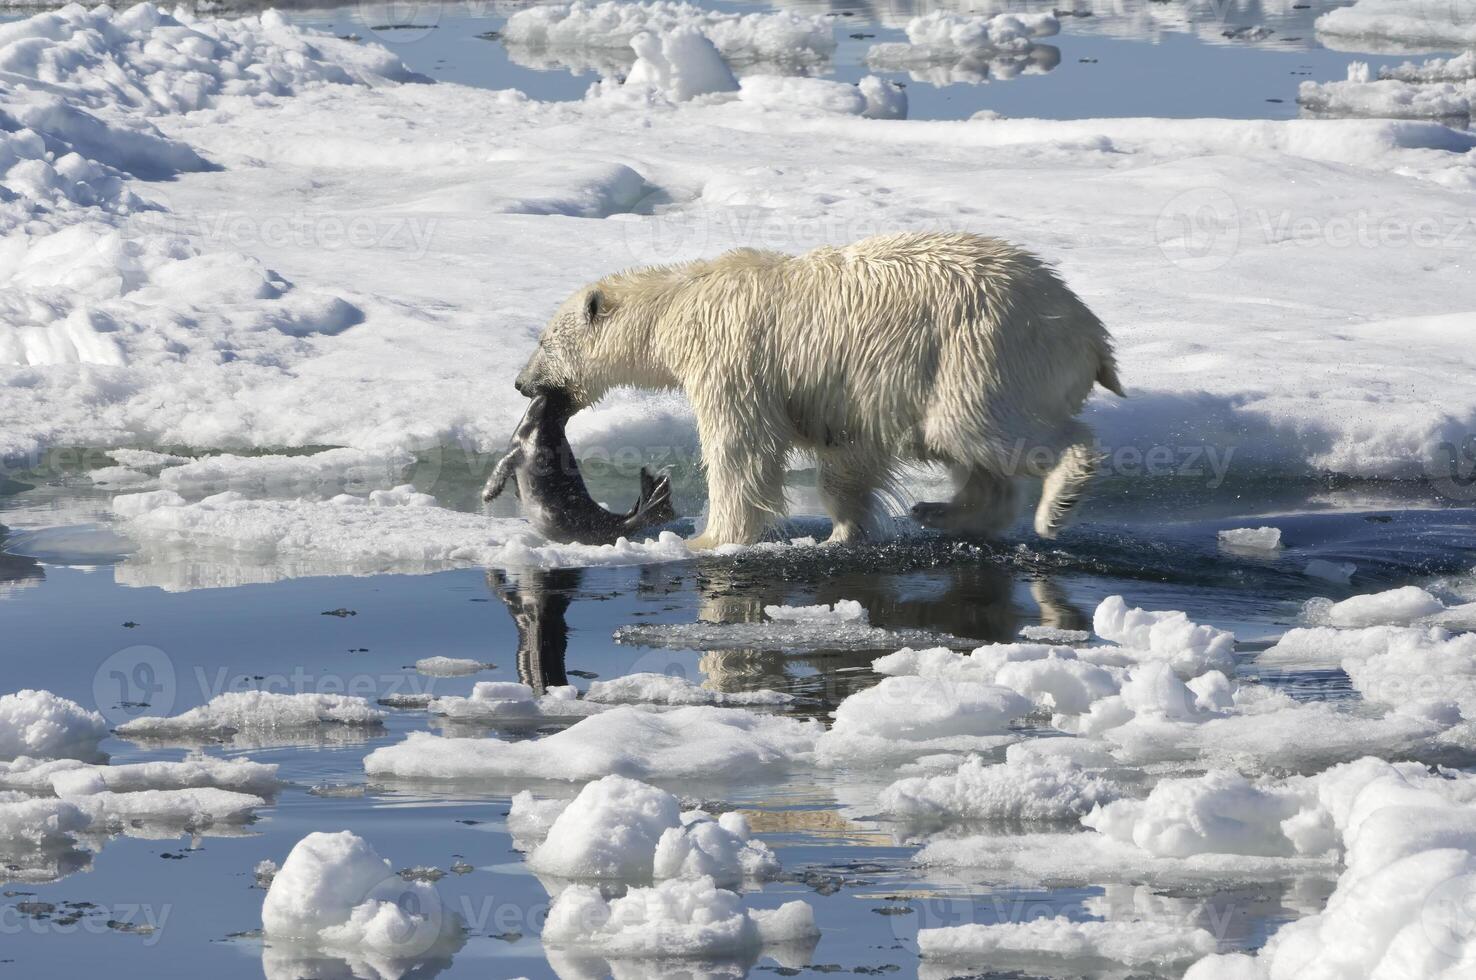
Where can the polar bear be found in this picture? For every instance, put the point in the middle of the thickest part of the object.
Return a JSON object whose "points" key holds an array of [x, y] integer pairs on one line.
{"points": [[938, 348]]}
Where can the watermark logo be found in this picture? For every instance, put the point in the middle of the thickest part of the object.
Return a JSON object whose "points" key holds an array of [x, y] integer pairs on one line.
{"points": [[395, 22], [1451, 468], [135, 681], [1199, 230], [1449, 915]]}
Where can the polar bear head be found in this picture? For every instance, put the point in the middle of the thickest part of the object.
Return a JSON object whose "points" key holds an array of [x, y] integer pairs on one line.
{"points": [[600, 338]]}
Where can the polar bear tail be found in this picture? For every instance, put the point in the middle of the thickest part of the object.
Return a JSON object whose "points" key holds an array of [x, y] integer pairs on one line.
{"points": [[1064, 486]]}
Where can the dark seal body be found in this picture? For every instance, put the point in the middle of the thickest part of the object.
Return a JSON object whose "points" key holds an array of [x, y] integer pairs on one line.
{"points": [[555, 499]]}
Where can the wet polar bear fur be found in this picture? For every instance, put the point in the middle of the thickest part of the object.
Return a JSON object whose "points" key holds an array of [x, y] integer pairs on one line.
{"points": [[939, 348]]}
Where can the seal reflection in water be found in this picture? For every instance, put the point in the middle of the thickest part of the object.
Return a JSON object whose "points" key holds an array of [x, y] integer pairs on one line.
{"points": [[555, 499]]}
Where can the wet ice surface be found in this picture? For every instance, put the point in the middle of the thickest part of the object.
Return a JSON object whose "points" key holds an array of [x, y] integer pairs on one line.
{"points": [[76, 624]]}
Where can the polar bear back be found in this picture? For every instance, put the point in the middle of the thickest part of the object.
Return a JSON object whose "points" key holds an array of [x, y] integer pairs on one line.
{"points": [[953, 347]]}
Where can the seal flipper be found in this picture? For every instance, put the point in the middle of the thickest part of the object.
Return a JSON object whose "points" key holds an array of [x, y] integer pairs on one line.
{"points": [[654, 506], [501, 473]]}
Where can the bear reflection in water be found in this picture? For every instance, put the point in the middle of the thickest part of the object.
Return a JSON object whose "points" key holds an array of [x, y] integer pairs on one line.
{"points": [[973, 600]]}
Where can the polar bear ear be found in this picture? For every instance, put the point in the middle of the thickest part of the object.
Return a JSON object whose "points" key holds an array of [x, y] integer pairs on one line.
{"points": [[594, 305]]}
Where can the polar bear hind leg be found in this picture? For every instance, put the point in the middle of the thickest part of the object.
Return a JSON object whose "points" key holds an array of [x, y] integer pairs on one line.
{"points": [[851, 486], [985, 502]]}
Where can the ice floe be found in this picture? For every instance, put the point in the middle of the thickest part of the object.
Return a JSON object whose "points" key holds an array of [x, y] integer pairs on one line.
{"points": [[264, 712], [1396, 25], [769, 38], [843, 625], [511, 704], [623, 829], [448, 666], [69, 777], [649, 688], [945, 47], [1418, 94], [1131, 943], [1169, 637], [678, 919], [688, 742], [395, 530], [1396, 607]]}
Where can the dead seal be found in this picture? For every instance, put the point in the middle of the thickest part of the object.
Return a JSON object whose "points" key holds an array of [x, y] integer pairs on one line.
{"points": [[555, 499]]}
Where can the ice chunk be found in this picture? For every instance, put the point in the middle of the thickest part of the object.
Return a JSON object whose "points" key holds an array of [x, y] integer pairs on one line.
{"points": [[529, 818], [948, 47], [317, 475], [335, 892], [781, 635], [845, 611], [1330, 571], [681, 64], [66, 777], [266, 711], [1054, 634], [39, 823], [448, 666], [1054, 678], [1165, 636], [1132, 943], [511, 703], [692, 742], [618, 828], [1251, 538], [191, 809], [908, 717], [1396, 607], [674, 919], [41, 724], [1025, 792], [648, 688]]}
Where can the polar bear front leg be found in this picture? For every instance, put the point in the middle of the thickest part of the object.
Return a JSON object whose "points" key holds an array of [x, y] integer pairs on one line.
{"points": [[744, 458]]}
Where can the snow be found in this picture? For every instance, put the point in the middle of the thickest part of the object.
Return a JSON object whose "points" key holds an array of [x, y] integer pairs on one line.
{"points": [[623, 829], [872, 97], [674, 919], [1399, 25], [263, 318], [258, 711], [335, 892], [1132, 943], [648, 688], [1424, 672], [1057, 679], [448, 666], [39, 723], [690, 742], [318, 475], [1252, 538]]}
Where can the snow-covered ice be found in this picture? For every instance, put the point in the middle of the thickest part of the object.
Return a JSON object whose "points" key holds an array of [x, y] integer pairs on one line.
{"points": [[1131, 943], [69, 777], [511, 704], [690, 742], [449, 666], [1396, 607], [944, 47], [1396, 25], [334, 891], [41, 724], [673, 919], [906, 717], [1010, 792], [258, 711], [1168, 637], [648, 688], [623, 829]]}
